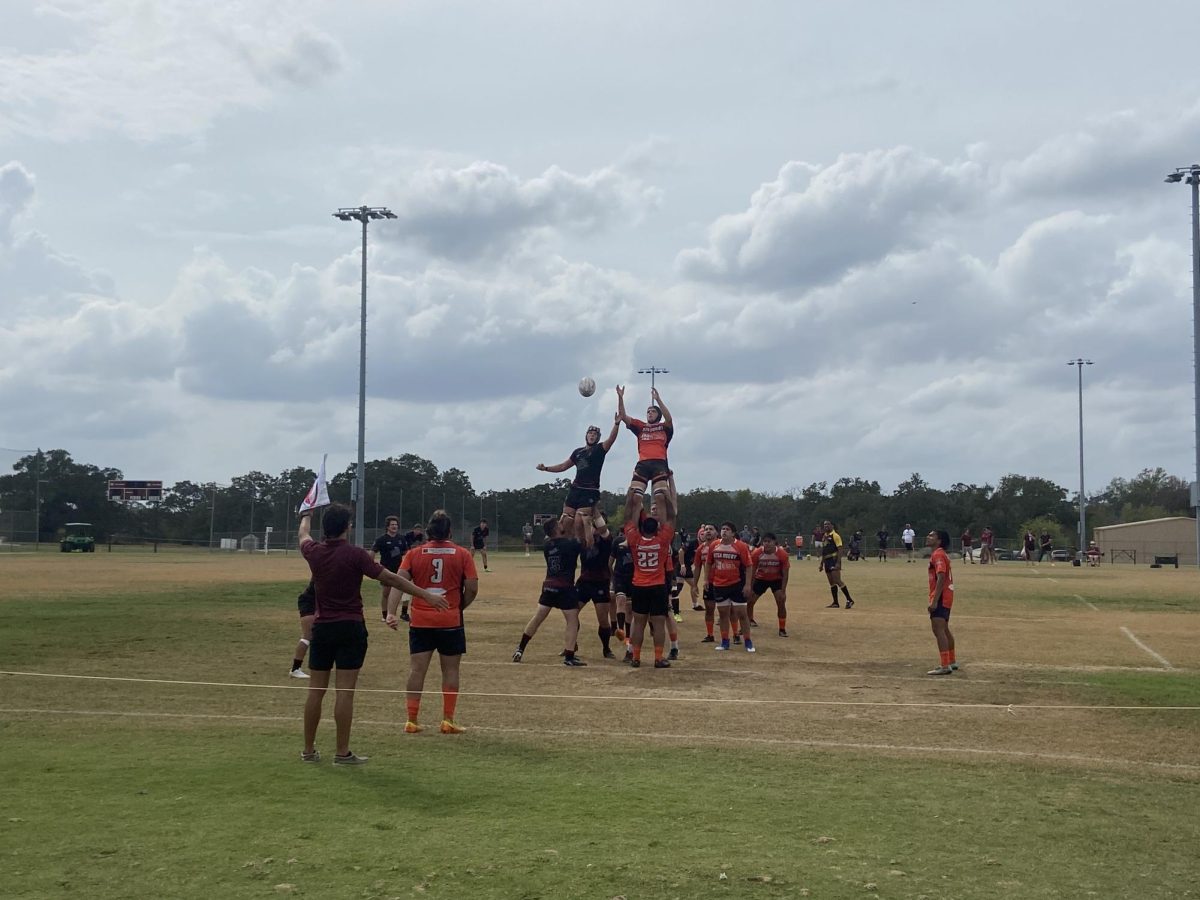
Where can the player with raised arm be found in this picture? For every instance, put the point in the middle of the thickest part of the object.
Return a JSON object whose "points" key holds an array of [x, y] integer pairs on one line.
{"points": [[771, 565], [595, 573], [622, 585], [584, 494], [437, 565], [653, 435], [562, 552], [650, 543]]}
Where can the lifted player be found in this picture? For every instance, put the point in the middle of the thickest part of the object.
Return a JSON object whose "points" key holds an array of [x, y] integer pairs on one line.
{"points": [[771, 565], [653, 436], [584, 494]]}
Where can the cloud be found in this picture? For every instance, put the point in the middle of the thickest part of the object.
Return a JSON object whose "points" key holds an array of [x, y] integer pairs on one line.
{"points": [[484, 209], [812, 223], [152, 70]]}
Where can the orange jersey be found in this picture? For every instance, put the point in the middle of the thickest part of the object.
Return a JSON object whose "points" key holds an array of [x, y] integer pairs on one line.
{"points": [[650, 554], [939, 564], [439, 564], [769, 566], [652, 439], [728, 562], [703, 556]]}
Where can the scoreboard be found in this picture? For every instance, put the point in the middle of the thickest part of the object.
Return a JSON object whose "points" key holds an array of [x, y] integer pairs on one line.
{"points": [[135, 490]]}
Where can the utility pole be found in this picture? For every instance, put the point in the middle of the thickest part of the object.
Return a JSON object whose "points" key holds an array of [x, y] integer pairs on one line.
{"points": [[1079, 364], [363, 214]]}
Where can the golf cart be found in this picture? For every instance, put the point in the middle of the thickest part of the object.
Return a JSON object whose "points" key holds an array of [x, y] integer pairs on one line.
{"points": [[78, 536]]}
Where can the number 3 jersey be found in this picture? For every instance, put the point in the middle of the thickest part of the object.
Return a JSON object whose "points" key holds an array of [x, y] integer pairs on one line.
{"points": [[651, 554], [439, 564]]}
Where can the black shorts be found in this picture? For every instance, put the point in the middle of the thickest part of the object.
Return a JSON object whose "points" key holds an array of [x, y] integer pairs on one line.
{"points": [[940, 612], [479, 545], [829, 565], [595, 591], [650, 470], [307, 601], [649, 601], [446, 641], [687, 571], [908, 546], [559, 598], [582, 498], [708, 594], [341, 644], [760, 587], [621, 584], [731, 592]]}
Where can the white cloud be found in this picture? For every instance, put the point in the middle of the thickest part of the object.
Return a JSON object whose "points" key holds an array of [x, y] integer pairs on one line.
{"points": [[149, 70]]}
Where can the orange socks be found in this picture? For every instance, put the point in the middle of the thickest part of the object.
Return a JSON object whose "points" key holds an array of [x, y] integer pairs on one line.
{"points": [[724, 634], [414, 707], [708, 626], [637, 652], [783, 624], [449, 701], [658, 653], [952, 659], [946, 656]]}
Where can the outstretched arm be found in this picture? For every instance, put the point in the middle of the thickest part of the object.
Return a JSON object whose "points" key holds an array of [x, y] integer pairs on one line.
{"points": [[304, 532], [633, 504], [621, 414], [561, 467], [666, 413], [612, 435]]}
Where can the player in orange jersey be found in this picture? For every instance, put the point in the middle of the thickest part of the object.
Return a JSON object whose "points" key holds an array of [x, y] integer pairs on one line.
{"points": [[707, 536], [729, 566], [653, 437], [650, 543], [771, 565], [941, 598], [440, 566]]}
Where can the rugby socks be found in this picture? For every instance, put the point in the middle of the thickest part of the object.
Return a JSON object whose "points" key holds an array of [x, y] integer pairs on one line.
{"points": [[620, 621], [297, 663], [725, 635], [525, 639], [783, 624], [675, 604], [846, 592], [414, 707], [637, 652], [674, 643], [708, 626], [569, 654], [946, 658], [449, 702], [833, 592], [658, 652], [605, 637], [951, 652]]}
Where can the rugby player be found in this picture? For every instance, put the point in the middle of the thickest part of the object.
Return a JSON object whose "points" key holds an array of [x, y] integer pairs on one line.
{"points": [[391, 547], [562, 552], [653, 436], [595, 573], [437, 565], [941, 598], [588, 461], [831, 565], [306, 602], [771, 569], [650, 543], [622, 583], [707, 535], [729, 562]]}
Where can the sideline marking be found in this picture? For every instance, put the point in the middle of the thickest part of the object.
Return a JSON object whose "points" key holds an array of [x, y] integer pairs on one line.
{"points": [[698, 738], [1090, 605], [625, 698], [1133, 637]]}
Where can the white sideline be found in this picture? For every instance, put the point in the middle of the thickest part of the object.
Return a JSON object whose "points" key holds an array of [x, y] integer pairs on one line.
{"points": [[1090, 605], [1133, 637]]}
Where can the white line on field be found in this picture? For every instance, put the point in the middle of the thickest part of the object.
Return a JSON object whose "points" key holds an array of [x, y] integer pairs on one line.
{"points": [[1090, 605], [698, 738], [1133, 637]]}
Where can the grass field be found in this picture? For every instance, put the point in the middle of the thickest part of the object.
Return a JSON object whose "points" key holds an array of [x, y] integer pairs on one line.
{"points": [[825, 765]]}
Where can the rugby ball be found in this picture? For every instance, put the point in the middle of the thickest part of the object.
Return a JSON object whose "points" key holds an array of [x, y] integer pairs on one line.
{"points": [[587, 386]]}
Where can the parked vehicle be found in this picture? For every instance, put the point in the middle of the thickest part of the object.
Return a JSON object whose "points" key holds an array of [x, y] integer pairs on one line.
{"points": [[78, 537]]}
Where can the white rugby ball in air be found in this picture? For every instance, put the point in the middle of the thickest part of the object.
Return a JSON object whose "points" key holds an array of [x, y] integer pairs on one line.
{"points": [[587, 386]]}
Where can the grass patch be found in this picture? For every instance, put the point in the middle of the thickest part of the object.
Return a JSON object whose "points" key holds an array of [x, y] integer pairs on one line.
{"points": [[1147, 688]]}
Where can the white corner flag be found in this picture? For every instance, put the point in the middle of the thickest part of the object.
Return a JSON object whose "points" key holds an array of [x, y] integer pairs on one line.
{"points": [[318, 494]]}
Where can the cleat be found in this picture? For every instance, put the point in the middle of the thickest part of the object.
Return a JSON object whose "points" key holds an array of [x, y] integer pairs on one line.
{"points": [[350, 760], [953, 667], [696, 607], [661, 664], [940, 670], [517, 655], [678, 617], [449, 727], [849, 604], [628, 656], [708, 639], [608, 654], [724, 645], [298, 673], [573, 662], [411, 727], [737, 638], [315, 756], [783, 632], [674, 654], [833, 605], [753, 624], [749, 645], [635, 663]]}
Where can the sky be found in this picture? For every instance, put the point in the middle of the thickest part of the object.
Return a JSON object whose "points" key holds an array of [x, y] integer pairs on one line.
{"points": [[863, 238]]}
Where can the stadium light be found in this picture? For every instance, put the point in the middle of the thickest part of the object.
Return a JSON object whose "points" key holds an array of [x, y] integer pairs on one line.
{"points": [[1191, 175], [652, 371], [1080, 363], [362, 214]]}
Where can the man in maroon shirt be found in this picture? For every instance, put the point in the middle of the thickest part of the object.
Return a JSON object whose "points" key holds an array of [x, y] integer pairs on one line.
{"points": [[339, 633]]}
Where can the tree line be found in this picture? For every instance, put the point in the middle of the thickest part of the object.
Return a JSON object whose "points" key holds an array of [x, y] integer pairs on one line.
{"points": [[411, 487]]}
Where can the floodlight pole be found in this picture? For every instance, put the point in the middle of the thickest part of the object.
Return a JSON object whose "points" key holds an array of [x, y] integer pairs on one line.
{"points": [[1191, 175], [652, 371], [363, 214], [1080, 363]]}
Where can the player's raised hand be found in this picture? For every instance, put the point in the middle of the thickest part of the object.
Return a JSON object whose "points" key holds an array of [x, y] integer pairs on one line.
{"points": [[621, 391], [541, 467]]}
